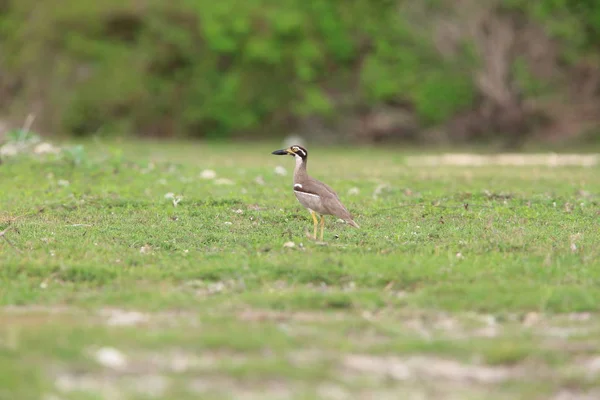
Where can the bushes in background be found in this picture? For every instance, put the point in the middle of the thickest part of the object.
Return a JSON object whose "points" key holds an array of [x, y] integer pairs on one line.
{"points": [[204, 68]]}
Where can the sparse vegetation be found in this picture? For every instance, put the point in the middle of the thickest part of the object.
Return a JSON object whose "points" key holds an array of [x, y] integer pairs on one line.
{"points": [[166, 270]]}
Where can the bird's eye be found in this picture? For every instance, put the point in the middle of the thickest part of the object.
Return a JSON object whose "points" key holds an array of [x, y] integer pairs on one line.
{"points": [[294, 148]]}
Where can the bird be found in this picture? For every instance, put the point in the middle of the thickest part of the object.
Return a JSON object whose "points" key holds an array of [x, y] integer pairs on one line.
{"points": [[314, 195]]}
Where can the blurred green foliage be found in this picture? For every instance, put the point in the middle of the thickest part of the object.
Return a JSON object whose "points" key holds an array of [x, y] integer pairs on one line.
{"points": [[216, 68], [575, 22], [198, 67]]}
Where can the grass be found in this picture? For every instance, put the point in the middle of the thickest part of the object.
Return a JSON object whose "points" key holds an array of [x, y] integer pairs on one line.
{"points": [[462, 281]]}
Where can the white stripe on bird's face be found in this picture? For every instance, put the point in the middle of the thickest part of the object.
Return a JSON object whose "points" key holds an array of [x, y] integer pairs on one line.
{"points": [[297, 186], [298, 151], [301, 152]]}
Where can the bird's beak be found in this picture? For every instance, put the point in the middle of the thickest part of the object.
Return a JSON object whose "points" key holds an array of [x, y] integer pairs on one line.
{"points": [[282, 152]]}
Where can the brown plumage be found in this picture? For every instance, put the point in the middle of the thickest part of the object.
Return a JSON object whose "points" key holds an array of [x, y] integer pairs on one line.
{"points": [[313, 194]]}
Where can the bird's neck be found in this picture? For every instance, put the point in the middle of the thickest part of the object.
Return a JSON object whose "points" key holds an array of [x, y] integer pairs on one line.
{"points": [[300, 169]]}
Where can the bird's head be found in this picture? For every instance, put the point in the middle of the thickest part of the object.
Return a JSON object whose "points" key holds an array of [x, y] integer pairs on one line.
{"points": [[295, 150]]}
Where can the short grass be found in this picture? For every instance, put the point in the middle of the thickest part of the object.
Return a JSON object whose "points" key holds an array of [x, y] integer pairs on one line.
{"points": [[463, 282]]}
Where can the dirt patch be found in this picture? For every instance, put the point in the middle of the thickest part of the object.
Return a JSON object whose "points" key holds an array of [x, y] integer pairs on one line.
{"points": [[112, 386], [507, 159], [419, 367], [301, 316], [574, 395], [245, 391], [118, 317]]}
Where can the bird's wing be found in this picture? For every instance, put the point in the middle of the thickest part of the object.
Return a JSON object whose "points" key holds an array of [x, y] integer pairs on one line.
{"points": [[316, 186], [332, 202], [335, 207], [329, 198]]}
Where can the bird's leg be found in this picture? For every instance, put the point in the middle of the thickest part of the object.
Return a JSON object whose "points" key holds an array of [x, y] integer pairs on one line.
{"points": [[322, 226], [316, 222]]}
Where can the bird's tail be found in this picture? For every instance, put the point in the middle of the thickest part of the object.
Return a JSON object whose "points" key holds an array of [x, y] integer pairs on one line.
{"points": [[351, 222]]}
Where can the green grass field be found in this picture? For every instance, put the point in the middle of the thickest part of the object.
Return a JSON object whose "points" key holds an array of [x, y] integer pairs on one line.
{"points": [[462, 283]]}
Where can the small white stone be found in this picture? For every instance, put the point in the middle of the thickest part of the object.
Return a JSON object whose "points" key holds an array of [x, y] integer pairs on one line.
{"points": [[259, 180], [45, 148], [279, 170], [224, 181], [111, 358], [170, 195], [216, 287], [126, 318], [354, 191], [379, 189], [208, 174], [9, 150], [531, 318], [63, 183], [289, 244]]}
